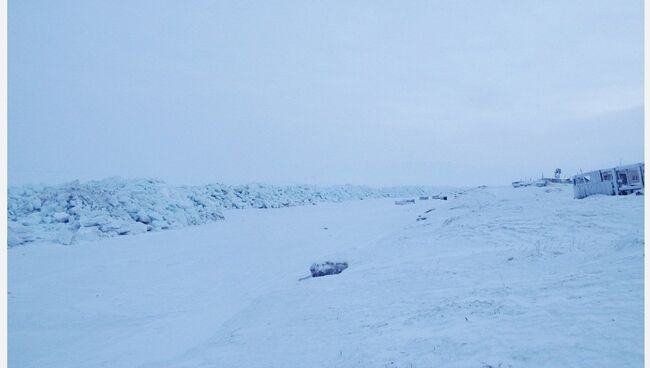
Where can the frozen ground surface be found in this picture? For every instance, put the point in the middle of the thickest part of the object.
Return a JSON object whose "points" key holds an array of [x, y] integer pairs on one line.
{"points": [[498, 277]]}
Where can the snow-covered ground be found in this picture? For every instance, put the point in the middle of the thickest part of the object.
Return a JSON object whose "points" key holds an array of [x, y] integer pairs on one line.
{"points": [[497, 277]]}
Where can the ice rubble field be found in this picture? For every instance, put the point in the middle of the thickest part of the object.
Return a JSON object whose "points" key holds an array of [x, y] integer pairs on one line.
{"points": [[88, 211], [497, 277]]}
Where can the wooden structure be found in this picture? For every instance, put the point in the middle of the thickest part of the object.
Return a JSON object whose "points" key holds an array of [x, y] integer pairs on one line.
{"points": [[621, 180]]}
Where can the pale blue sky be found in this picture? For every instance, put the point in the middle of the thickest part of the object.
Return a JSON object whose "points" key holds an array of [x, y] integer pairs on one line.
{"points": [[376, 92]]}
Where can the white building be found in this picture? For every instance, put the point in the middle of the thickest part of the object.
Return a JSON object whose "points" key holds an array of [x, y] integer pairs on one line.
{"points": [[621, 180]]}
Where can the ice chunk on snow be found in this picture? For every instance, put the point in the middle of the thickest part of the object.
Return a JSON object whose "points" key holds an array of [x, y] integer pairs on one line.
{"points": [[327, 268], [65, 236], [32, 219], [89, 233], [94, 220], [61, 217]]}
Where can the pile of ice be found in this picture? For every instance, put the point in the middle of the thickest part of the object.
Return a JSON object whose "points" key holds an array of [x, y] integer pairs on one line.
{"points": [[92, 210]]}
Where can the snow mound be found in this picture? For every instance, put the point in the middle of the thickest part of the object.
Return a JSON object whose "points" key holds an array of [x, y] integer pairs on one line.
{"points": [[96, 209]]}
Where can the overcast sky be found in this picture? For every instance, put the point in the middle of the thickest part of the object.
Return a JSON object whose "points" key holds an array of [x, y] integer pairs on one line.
{"points": [[377, 92]]}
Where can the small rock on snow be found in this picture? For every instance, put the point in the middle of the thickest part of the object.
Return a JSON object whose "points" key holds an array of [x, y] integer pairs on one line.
{"points": [[327, 268]]}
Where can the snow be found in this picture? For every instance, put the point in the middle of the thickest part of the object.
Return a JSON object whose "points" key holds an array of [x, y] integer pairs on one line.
{"points": [[496, 277], [117, 206]]}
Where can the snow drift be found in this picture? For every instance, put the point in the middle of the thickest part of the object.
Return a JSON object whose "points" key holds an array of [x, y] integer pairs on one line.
{"points": [[96, 209]]}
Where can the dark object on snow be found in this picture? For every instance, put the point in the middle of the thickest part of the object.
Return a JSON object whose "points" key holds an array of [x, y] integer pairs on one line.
{"points": [[424, 198], [405, 201], [327, 268]]}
